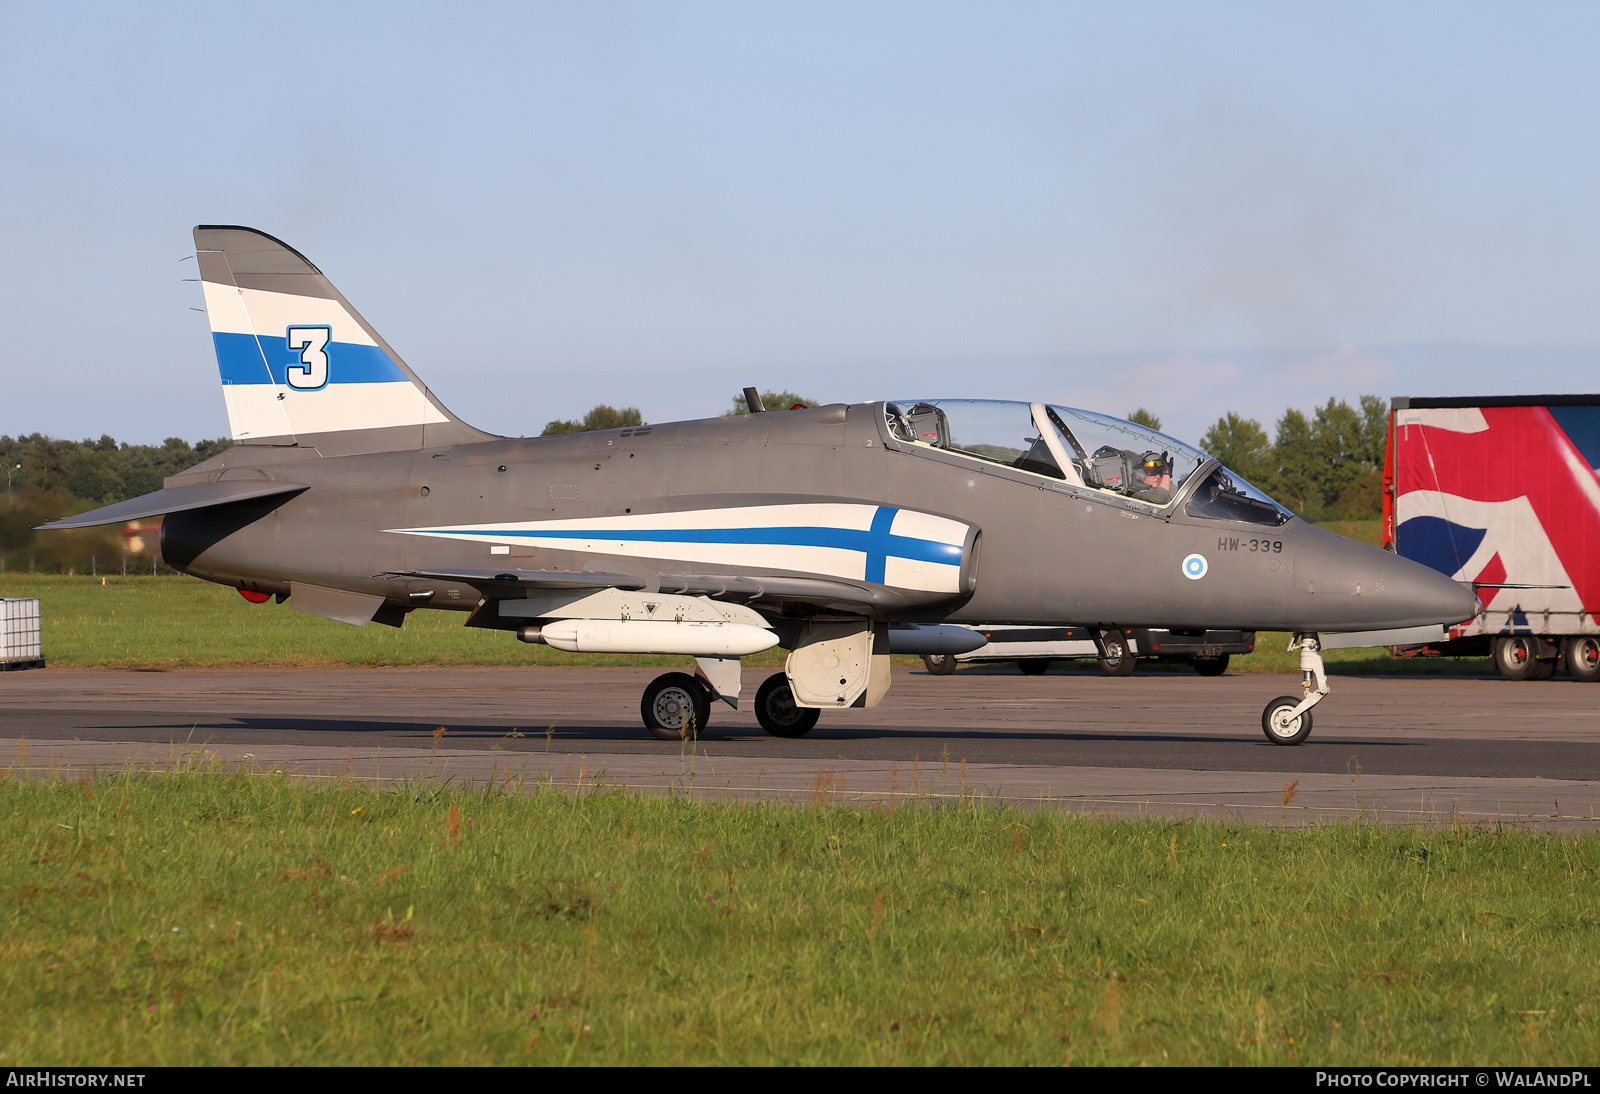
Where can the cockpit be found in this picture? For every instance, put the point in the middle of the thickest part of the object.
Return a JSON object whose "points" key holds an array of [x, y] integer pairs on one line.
{"points": [[1084, 449]]}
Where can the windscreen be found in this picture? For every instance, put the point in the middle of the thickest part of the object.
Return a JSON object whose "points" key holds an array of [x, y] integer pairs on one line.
{"points": [[1125, 458], [1225, 496]]}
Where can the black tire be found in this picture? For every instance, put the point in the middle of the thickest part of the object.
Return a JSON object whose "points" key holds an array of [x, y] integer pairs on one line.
{"points": [[1034, 666], [1116, 659], [940, 664], [675, 707], [1120, 666], [1515, 657], [1285, 733], [1583, 657], [776, 712], [1211, 666]]}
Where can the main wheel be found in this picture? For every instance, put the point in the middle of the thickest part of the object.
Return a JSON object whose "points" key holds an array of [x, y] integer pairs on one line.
{"points": [[940, 664], [777, 712], [1119, 666], [1279, 727], [1118, 659], [1034, 666], [1583, 657], [1515, 657], [1211, 666], [675, 707]]}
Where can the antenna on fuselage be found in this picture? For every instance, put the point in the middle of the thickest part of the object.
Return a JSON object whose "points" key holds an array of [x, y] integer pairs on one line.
{"points": [[752, 399]]}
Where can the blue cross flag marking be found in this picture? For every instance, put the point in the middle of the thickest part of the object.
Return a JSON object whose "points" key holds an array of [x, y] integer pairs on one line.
{"points": [[877, 543]]}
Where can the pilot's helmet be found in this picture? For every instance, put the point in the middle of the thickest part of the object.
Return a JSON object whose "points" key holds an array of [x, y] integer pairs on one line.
{"points": [[1156, 464]]}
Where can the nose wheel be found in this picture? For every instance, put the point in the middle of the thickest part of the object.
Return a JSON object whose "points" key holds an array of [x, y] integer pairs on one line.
{"points": [[1282, 725], [1287, 720], [675, 707]]}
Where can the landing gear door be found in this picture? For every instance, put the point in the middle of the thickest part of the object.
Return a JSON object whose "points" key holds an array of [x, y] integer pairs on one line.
{"points": [[839, 664]]}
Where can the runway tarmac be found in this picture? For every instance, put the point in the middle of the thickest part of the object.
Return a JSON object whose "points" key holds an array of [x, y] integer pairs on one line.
{"points": [[1479, 750]]}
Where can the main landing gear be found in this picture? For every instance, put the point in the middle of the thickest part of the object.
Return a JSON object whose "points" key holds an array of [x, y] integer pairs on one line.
{"points": [[777, 712], [1287, 719], [676, 707]]}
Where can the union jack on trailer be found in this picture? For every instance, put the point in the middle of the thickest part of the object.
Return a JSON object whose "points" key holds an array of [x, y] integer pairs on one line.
{"points": [[1504, 492]]}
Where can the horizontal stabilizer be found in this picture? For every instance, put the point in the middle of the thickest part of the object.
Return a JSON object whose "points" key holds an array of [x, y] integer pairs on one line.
{"points": [[176, 500]]}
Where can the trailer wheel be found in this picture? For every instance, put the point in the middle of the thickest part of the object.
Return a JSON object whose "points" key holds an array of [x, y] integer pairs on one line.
{"points": [[1033, 666], [1583, 657], [940, 664], [1515, 657], [1211, 666]]}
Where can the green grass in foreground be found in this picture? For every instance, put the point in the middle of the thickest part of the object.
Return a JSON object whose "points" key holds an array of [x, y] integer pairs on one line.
{"points": [[201, 918], [176, 622]]}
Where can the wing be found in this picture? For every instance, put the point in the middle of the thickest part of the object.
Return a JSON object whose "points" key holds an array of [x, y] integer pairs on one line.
{"points": [[857, 598]]}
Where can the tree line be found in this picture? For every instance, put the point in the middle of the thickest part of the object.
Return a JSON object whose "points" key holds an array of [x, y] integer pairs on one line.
{"points": [[1326, 465], [49, 477]]}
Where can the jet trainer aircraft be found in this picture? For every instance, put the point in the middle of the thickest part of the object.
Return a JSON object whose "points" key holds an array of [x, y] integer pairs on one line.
{"points": [[839, 532]]}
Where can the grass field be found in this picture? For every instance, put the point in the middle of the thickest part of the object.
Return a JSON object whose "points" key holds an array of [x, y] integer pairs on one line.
{"points": [[208, 918], [175, 622]]}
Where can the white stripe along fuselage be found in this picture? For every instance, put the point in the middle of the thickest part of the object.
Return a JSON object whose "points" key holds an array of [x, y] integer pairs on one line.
{"points": [[900, 548]]}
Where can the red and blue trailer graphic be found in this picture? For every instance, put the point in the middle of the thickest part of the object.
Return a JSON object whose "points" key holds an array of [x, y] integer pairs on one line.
{"points": [[1504, 493]]}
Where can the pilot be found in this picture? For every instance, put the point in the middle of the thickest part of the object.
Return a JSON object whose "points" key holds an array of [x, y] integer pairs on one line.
{"points": [[1153, 478]]}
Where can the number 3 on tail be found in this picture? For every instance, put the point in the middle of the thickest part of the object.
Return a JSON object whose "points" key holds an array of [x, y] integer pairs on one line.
{"points": [[311, 372]]}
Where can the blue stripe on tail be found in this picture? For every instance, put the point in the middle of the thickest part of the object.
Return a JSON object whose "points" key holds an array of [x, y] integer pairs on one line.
{"points": [[247, 359]]}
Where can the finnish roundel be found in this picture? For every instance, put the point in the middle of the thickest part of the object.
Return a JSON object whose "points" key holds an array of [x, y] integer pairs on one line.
{"points": [[1194, 567]]}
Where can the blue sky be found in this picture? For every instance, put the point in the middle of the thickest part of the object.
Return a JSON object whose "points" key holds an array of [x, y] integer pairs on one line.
{"points": [[1196, 208]]}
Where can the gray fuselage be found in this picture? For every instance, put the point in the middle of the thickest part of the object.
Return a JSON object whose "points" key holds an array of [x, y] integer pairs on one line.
{"points": [[1047, 551]]}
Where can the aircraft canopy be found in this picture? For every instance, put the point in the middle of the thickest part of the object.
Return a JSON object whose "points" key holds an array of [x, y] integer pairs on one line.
{"points": [[1087, 449]]}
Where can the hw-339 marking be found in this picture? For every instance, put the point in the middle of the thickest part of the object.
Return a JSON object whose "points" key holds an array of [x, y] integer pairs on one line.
{"points": [[1234, 543]]}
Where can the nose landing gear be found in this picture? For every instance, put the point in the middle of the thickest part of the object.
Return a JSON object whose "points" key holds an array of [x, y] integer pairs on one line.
{"points": [[1287, 720]]}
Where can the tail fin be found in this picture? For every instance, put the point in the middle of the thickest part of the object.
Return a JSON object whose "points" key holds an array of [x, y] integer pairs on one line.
{"points": [[299, 365]]}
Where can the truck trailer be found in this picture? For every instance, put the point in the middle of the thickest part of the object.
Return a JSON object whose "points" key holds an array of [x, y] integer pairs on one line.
{"points": [[1503, 492]]}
